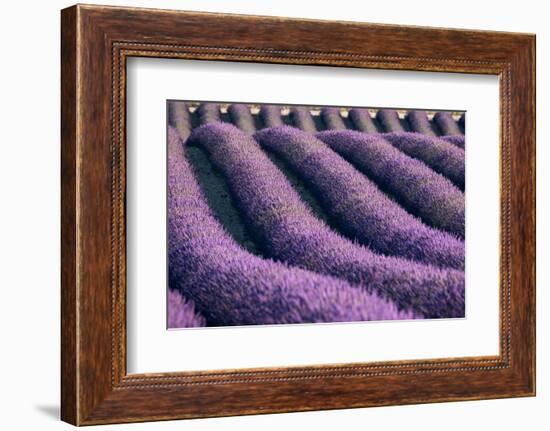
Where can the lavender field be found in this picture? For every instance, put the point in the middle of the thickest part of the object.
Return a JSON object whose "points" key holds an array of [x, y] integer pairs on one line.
{"points": [[290, 214]]}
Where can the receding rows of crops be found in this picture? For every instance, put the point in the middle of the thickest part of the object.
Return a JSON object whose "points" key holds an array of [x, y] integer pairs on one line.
{"points": [[323, 224]]}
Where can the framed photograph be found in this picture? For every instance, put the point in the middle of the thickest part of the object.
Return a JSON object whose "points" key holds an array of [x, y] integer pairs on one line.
{"points": [[260, 217]]}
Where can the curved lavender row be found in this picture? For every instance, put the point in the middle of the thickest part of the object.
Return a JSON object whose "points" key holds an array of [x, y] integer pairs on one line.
{"points": [[420, 190], [389, 119], [362, 120], [332, 119], [179, 117], [440, 155], [420, 123], [230, 286], [288, 231], [181, 312], [241, 117], [208, 113], [302, 119], [271, 115], [458, 140], [446, 123], [361, 209]]}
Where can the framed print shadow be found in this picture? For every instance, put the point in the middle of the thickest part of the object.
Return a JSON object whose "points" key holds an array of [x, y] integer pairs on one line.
{"points": [[273, 221]]}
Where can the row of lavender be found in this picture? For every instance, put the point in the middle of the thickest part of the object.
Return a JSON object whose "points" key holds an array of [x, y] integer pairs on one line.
{"points": [[398, 198], [249, 119]]}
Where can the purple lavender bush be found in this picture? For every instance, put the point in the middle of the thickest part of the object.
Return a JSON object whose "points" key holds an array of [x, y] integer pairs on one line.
{"points": [[419, 122], [179, 117], [362, 120], [442, 156], [446, 123], [302, 119], [287, 230], [271, 115], [458, 140], [423, 192], [332, 119], [229, 286], [208, 113], [181, 312], [389, 119], [241, 117], [360, 208]]}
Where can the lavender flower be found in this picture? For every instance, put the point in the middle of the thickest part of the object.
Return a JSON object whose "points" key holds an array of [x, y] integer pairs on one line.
{"points": [[359, 207], [423, 192], [446, 123], [302, 119], [442, 156], [332, 119], [229, 286], [287, 230], [271, 115], [362, 120], [241, 117], [389, 119], [179, 117], [208, 113], [458, 140], [419, 122], [181, 312]]}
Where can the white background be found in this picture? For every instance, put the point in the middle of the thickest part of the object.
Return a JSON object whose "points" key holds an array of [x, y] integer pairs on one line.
{"points": [[29, 228], [152, 349]]}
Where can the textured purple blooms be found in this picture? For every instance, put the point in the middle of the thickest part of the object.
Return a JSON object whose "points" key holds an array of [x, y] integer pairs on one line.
{"points": [[208, 113], [389, 120], [179, 117], [229, 286], [442, 156], [332, 119], [361, 209], [241, 117], [362, 120], [423, 192], [446, 123], [458, 140], [318, 275], [302, 119], [287, 230], [419, 122], [271, 115], [181, 312]]}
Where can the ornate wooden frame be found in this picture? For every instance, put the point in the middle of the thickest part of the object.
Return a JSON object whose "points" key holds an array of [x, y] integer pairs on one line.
{"points": [[95, 43]]}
